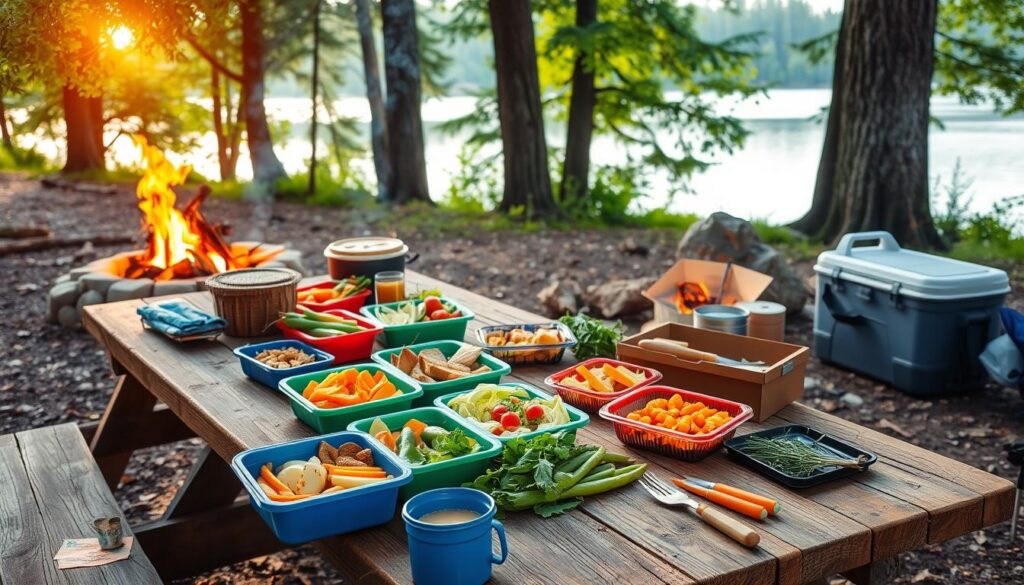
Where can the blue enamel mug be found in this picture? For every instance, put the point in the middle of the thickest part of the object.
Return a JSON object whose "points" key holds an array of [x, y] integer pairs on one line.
{"points": [[452, 554]]}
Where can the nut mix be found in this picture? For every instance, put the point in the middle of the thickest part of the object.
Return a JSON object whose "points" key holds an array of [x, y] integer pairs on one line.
{"points": [[288, 357]]}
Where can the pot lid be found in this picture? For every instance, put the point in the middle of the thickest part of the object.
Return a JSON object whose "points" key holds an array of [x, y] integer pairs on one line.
{"points": [[763, 307], [920, 275], [366, 247], [248, 278]]}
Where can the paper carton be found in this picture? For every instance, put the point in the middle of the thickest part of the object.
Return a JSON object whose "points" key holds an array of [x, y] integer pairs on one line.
{"points": [[767, 389], [743, 284]]}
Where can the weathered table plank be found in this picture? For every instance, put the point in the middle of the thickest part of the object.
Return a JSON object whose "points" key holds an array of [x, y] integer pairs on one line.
{"points": [[907, 498], [71, 493]]}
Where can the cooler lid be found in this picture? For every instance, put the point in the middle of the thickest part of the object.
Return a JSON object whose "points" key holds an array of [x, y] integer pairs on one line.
{"points": [[366, 248], [920, 275]]}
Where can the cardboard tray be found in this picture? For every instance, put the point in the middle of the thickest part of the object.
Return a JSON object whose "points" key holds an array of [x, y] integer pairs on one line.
{"points": [[765, 389]]}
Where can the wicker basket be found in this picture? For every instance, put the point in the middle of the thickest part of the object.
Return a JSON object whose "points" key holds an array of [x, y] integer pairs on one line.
{"points": [[252, 298]]}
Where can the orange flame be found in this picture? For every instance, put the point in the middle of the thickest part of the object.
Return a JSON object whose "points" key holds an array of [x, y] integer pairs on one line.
{"points": [[691, 295], [182, 242]]}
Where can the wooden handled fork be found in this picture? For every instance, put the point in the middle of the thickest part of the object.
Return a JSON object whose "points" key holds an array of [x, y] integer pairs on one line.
{"points": [[726, 524]]}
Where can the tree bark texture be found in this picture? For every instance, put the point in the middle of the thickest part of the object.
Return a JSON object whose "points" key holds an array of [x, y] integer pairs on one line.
{"points": [[5, 132], [527, 180], [266, 168], [880, 175], [374, 95], [576, 168], [227, 130], [83, 117], [313, 91], [403, 118]]}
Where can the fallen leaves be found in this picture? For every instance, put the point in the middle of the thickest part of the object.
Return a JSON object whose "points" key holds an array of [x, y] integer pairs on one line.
{"points": [[891, 426]]}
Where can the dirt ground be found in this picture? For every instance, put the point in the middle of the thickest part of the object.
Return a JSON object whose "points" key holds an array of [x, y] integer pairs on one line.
{"points": [[50, 375]]}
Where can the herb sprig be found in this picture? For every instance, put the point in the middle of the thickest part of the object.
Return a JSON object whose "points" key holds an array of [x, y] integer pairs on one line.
{"points": [[593, 338]]}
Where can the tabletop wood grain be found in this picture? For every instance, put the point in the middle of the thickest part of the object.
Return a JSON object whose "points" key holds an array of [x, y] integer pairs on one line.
{"points": [[908, 498]]}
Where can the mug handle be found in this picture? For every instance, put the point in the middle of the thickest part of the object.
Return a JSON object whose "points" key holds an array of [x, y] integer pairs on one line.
{"points": [[500, 529]]}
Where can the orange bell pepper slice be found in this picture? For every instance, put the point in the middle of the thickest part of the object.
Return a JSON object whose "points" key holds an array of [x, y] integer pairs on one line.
{"points": [[308, 390]]}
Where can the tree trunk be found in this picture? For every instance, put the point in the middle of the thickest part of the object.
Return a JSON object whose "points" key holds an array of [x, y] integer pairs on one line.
{"points": [[576, 169], [84, 132], [234, 136], [880, 175], [378, 124], [5, 133], [404, 122], [218, 124], [313, 90], [266, 168], [527, 181]]}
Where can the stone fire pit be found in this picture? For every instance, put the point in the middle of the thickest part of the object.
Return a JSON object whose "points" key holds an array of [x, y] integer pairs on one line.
{"points": [[100, 281]]}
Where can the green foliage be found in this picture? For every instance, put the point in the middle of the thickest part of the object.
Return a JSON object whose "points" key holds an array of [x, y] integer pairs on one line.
{"points": [[24, 160], [977, 236]]}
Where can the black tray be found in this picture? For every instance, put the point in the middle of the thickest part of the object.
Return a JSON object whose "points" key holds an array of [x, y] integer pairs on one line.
{"points": [[826, 444]]}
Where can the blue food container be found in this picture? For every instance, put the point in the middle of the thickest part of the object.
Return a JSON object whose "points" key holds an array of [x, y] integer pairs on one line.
{"points": [[271, 377], [577, 418], [322, 516], [914, 320]]}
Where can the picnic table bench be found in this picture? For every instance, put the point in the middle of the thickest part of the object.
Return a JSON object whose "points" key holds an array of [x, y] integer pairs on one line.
{"points": [[51, 489], [856, 526]]}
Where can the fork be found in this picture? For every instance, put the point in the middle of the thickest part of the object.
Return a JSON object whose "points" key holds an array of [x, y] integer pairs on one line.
{"points": [[727, 525]]}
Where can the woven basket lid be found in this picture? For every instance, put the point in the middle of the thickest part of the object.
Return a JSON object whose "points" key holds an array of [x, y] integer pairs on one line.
{"points": [[252, 280], [366, 248]]}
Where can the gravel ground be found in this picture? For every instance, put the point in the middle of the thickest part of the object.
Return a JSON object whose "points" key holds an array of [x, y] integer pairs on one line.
{"points": [[50, 375]]}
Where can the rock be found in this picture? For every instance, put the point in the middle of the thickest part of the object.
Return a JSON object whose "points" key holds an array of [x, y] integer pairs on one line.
{"points": [[291, 259], [89, 297], [721, 237], [99, 281], [173, 287], [619, 298], [68, 316], [852, 400], [561, 297], [129, 288], [61, 294], [631, 247]]}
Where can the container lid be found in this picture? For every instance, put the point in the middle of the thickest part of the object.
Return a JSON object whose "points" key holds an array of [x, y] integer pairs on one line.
{"points": [[366, 248], [764, 311], [248, 279], [919, 275], [722, 313]]}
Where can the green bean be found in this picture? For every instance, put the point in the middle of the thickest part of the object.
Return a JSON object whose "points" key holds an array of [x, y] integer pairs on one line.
{"points": [[616, 458], [600, 472], [623, 476]]}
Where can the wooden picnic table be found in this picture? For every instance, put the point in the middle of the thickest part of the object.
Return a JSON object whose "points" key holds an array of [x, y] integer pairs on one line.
{"points": [[856, 526]]}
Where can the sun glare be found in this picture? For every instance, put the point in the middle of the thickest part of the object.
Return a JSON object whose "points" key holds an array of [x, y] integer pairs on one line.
{"points": [[121, 37]]}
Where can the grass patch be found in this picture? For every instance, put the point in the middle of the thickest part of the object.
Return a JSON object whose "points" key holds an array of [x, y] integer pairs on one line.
{"points": [[20, 159]]}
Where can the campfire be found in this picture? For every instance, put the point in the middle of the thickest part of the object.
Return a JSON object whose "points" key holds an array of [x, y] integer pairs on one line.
{"points": [[180, 244], [690, 295]]}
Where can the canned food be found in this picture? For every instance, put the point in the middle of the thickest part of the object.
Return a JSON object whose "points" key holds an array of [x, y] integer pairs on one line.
{"points": [[724, 318]]}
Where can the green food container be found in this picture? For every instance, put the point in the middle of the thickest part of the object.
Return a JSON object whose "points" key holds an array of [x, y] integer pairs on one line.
{"points": [[412, 333], [577, 418], [432, 390], [451, 473], [330, 420]]}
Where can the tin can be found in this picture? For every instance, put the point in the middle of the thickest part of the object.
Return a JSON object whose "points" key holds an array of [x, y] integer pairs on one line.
{"points": [[724, 318]]}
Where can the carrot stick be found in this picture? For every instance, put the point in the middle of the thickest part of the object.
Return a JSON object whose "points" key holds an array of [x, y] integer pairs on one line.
{"points": [[614, 373], [592, 380], [271, 479], [289, 497]]}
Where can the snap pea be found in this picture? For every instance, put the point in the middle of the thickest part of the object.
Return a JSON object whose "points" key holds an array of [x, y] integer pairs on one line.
{"points": [[618, 479], [600, 472], [304, 324]]}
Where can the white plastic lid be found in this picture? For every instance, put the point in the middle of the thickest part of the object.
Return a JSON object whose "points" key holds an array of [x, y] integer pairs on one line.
{"points": [[366, 248], [919, 275]]}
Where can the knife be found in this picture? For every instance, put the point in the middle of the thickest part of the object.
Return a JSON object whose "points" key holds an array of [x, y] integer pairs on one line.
{"points": [[770, 505], [755, 511], [688, 353]]}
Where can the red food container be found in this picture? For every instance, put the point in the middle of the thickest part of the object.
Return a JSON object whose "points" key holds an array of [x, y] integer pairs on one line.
{"points": [[345, 348], [685, 446], [591, 400], [352, 303]]}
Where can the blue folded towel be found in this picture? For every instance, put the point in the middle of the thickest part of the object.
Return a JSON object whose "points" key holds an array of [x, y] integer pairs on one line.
{"points": [[178, 318]]}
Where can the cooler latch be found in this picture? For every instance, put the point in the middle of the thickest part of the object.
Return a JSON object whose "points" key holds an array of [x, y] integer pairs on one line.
{"points": [[834, 276], [894, 293]]}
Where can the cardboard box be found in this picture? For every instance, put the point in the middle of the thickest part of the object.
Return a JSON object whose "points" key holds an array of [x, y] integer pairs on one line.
{"points": [[767, 389], [744, 284]]}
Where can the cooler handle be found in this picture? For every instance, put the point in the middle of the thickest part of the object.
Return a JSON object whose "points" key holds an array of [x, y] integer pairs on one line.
{"points": [[838, 312], [975, 339], [885, 241]]}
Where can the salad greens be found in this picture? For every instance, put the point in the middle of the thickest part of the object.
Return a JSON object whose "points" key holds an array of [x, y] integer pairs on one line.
{"points": [[421, 444], [593, 338], [551, 474], [509, 409]]}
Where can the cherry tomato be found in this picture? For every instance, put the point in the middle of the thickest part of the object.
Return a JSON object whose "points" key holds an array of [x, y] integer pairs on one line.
{"points": [[431, 304], [456, 314], [510, 421], [439, 314], [534, 411], [497, 431], [497, 411]]}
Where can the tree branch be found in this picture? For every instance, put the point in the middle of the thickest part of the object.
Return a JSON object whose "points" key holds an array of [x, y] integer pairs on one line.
{"points": [[212, 60]]}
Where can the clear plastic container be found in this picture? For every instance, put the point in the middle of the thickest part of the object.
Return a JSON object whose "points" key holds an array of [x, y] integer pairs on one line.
{"points": [[592, 400], [522, 355], [684, 446]]}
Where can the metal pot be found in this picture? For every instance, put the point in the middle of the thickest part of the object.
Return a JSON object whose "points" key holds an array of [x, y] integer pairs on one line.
{"points": [[366, 256], [724, 318]]}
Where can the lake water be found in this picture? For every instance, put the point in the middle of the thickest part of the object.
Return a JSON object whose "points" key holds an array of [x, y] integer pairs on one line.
{"points": [[771, 177]]}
